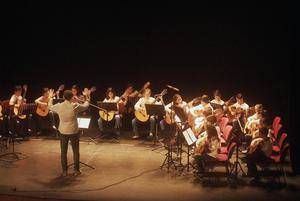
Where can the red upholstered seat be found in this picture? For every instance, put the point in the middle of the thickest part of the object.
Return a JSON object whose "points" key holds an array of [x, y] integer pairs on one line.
{"points": [[222, 157]]}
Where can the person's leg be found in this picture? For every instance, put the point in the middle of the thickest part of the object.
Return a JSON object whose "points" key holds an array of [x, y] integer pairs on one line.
{"points": [[100, 124], [75, 147], [152, 125], [135, 128], [162, 124], [251, 164], [118, 123], [64, 150], [52, 119]]}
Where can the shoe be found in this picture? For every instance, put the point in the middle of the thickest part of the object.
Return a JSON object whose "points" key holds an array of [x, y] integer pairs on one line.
{"points": [[64, 174], [77, 173], [150, 136], [245, 151], [118, 133], [135, 137], [54, 127]]}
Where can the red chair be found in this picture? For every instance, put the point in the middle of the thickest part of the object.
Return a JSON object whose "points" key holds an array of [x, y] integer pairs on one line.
{"points": [[278, 161], [223, 123], [276, 121], [276, 130], [278, 147], [222, 160], [227, 133]]}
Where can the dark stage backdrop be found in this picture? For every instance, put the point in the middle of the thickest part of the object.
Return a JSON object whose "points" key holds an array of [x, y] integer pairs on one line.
{"points": [[195, 48]]}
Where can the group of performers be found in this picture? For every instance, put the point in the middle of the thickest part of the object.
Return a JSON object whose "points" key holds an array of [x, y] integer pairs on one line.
{"points": [[202, 114]]}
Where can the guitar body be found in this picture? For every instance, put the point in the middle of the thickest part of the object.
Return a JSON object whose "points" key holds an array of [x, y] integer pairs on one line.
{"points": [[107, 116], [141, 115], [42, 110], [16, 112], [169, 118]]}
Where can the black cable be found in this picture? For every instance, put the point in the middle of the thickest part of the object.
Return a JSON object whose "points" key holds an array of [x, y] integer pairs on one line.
{"points": [[87, 190]]}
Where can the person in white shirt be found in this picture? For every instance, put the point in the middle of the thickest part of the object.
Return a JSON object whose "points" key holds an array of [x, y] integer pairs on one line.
{"points": [[198, 110], [140, 105], [207, 147], [217, 98], [240, 102], [21, 127], [177, 102], [68, 126], [259, 152], [17, 96], [111, 98], [253, 121], [42, 102]]}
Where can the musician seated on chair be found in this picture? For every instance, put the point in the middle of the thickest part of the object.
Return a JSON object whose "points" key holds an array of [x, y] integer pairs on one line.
{"points": [[43, 117], [140, 110], [240, 103], [260, 150], [171, 117], [111, 98], [254, 119], [197, 110], [206, 148], [19, 126], [76, 96], [217, 98]]}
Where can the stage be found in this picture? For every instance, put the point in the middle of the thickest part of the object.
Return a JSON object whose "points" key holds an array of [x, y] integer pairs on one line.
{"points": [[128, 170]]}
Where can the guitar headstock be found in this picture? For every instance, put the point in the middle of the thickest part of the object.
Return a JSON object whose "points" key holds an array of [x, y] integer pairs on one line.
{"points": [[25, 87], [93, 89], [61, 87], [146, 85]]}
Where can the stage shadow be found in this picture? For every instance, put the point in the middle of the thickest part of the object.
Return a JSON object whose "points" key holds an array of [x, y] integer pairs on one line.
{"points": [[59, 182]]}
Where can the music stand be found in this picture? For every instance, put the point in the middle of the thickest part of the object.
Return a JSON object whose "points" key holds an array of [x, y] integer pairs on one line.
{"points": [[83, 123], [156, 111], [108, 107], [190, 139], [58, 100]]}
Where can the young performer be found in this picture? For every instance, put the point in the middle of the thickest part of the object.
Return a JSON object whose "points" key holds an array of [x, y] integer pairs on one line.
{"points": [[240, 103], [176, 102], [48, 117], [259, 152], [206, 147], [20, 127], [111, 98], [68, 126], [217, 98], [140, 105]]}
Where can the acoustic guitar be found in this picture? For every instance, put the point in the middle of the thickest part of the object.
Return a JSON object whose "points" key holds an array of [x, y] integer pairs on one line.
{"points": [[108, 116], [141, 114], [18, 108]]}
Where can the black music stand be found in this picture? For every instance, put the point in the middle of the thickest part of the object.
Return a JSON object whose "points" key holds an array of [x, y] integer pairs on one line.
{"points": [[157, 111], [58, 100], [108, 107]]}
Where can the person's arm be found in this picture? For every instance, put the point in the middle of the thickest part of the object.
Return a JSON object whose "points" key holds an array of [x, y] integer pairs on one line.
{"points": [[137, 106], [168, 107], [39, 101], [82, 107], [12, 100], [54, 108]]}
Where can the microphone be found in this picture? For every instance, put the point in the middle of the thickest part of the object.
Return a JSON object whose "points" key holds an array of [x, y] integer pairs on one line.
{"points": [[171, 87]]}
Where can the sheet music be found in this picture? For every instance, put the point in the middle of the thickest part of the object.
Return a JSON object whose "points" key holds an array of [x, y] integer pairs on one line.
{"points": [[83, 122], [189, 136]]}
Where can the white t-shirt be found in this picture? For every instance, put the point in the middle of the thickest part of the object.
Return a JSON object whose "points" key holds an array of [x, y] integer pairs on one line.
{"points": [[244, 106], [14, 99], [111, 101], [221, 102]]}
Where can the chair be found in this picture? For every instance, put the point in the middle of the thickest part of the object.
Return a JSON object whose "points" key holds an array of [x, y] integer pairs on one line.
{"points": [[227, 133], [278, 147], [278, 161], [223, 123], [276, 121], [222, 159]]}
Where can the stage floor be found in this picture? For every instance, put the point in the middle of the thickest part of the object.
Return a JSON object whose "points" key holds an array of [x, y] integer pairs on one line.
{"points": [[128, 170]]}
